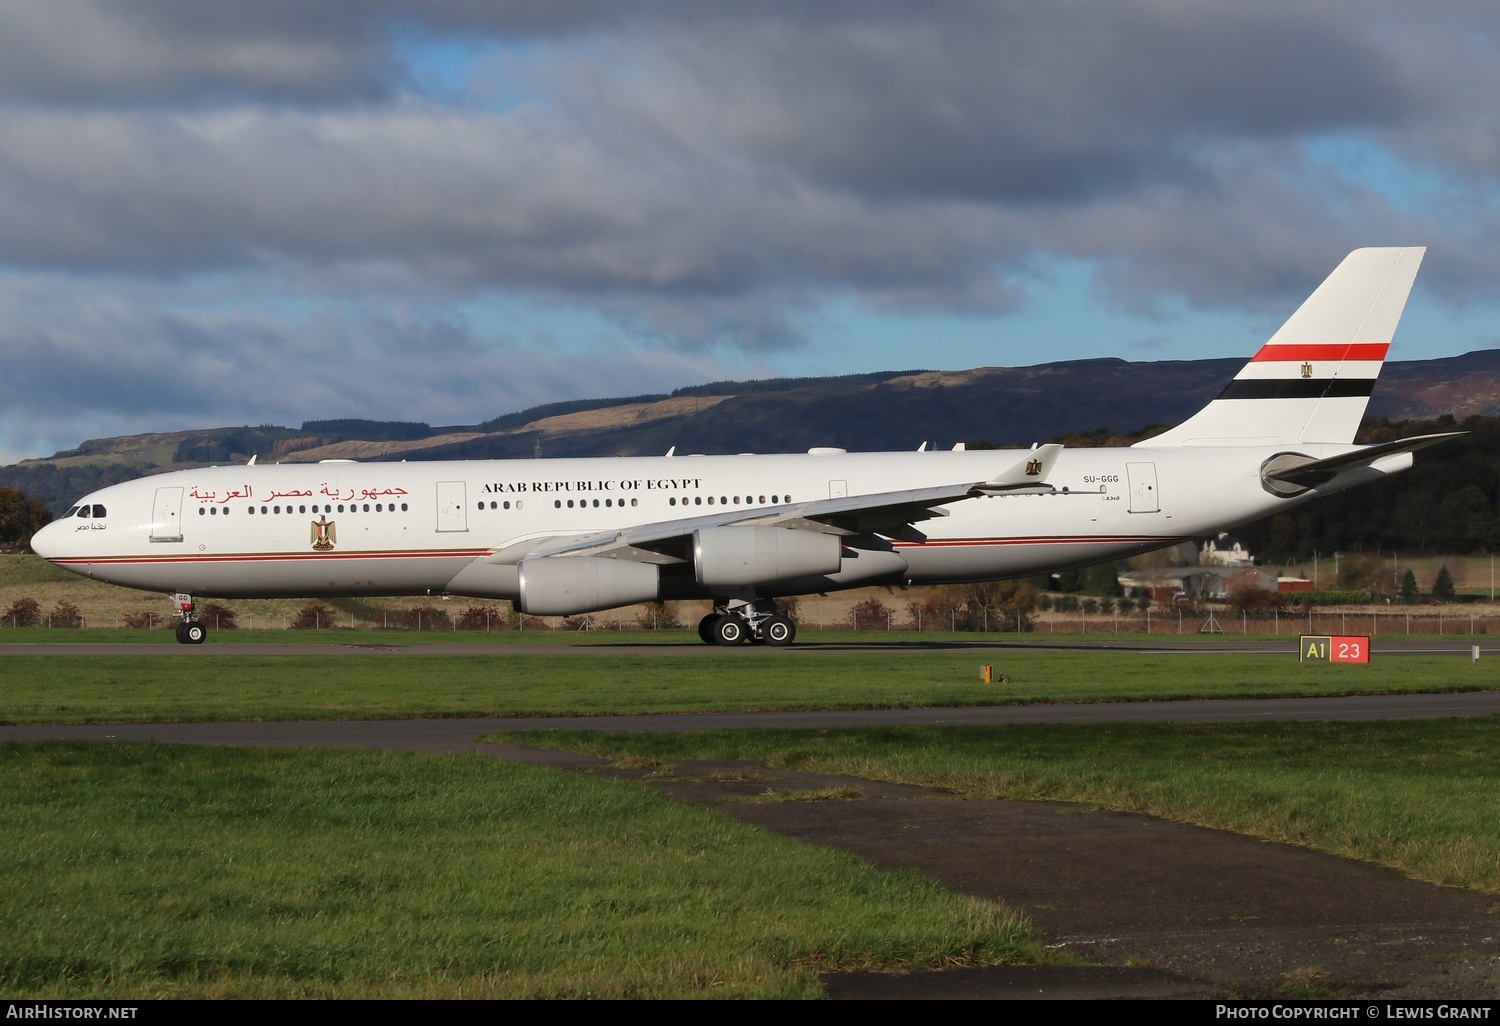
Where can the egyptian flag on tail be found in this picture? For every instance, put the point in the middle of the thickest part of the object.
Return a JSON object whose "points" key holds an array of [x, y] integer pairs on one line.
{"points": [[1312, 381]]}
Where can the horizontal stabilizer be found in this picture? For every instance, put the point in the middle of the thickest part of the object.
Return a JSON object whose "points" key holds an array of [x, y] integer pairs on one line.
{"points": [[1295, 473]]}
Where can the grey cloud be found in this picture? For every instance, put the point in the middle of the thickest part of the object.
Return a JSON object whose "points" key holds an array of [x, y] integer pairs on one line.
{"points": [[511, 201], [709, 173], [1014, 103], [116, 53], [87, 361]]}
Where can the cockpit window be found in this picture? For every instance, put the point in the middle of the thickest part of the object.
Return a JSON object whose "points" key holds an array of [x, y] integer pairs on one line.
{"points": [[99, 513], [72, 511]]}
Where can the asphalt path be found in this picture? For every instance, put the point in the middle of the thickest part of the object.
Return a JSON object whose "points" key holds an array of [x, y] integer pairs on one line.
{"points": [[1416, 645], [453, 735]]}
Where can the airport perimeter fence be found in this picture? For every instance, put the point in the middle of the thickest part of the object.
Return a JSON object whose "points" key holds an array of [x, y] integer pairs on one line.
{"points": [[1456, 622], [1428, 620]]}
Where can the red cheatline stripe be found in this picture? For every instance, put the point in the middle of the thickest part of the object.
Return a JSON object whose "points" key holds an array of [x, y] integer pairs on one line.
{"points": [[300, 557], [1323, 351], [1123, 540], [297, 557]]}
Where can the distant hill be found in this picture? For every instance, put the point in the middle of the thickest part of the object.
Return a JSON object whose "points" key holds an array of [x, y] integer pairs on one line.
{"points": [[891, 410]]}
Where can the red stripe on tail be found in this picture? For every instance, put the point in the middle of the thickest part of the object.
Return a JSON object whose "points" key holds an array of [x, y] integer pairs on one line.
{"points": [[1323, 351]]}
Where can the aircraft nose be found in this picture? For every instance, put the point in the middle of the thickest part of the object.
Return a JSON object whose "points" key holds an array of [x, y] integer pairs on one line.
{"points": [[47, 542]]}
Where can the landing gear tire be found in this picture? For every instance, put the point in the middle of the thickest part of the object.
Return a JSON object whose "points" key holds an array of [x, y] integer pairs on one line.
{"points": [[706, 628], [778, 630], [729, 630], [191, 633]]}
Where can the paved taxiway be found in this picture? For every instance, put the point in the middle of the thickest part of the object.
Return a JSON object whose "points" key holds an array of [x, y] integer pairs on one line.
{"points": [[1416, 645], [452, 735]]}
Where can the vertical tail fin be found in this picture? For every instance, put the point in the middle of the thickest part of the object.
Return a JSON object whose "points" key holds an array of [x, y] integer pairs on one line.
{"points": [[1312, 381]]}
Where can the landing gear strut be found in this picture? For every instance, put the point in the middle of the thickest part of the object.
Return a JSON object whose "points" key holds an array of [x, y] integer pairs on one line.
{"points": [[760, 623], [191, 630]]}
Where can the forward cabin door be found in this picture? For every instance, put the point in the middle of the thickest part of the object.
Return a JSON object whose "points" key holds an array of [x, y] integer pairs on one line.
{"points": [[1144, 497], [452, 507], [166, 515]]}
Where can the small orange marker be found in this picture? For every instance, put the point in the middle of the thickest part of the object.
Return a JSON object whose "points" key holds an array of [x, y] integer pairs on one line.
{"points": [[986, 673]]}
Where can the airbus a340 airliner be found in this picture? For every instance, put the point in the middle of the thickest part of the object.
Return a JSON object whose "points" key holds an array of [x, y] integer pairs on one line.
{"points": [[560, 537]]}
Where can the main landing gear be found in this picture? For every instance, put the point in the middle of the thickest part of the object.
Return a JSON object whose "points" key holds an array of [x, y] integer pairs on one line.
{"points": [[191, 630], [760, 624]]}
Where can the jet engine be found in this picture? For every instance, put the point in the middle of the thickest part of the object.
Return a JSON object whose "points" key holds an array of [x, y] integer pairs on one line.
{"points": [[734, 557], [565, 585]]}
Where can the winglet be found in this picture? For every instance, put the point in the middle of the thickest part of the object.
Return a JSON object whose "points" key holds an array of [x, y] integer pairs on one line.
{"points": [[1030, 474]]}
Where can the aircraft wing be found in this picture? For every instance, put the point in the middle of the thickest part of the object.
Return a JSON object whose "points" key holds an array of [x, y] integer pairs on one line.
{"points": [[890, 514]]}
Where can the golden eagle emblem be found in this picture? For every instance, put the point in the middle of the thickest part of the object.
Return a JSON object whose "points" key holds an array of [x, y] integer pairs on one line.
{"points": [[1033, 468], [324, 535], [1307, 370]]}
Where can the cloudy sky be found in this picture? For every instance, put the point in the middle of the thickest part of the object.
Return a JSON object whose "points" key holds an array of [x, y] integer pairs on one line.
{"points": [[217, 213]]}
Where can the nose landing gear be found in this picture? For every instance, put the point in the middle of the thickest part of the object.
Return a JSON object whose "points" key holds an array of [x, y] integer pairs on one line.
{"points": [[191, 630]]}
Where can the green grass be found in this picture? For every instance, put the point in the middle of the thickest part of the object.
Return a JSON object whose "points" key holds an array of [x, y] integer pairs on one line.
{"points": [[140, 871], [1416, 795], [1455, 630], [204, 685]]}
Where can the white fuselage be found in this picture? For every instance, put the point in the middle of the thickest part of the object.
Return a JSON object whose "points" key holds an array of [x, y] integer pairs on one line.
{"points": [[298, 530]]}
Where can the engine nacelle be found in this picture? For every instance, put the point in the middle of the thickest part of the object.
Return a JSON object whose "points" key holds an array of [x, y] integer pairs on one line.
{"points": [[733, 557], [565, 585], [487, 580]]}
